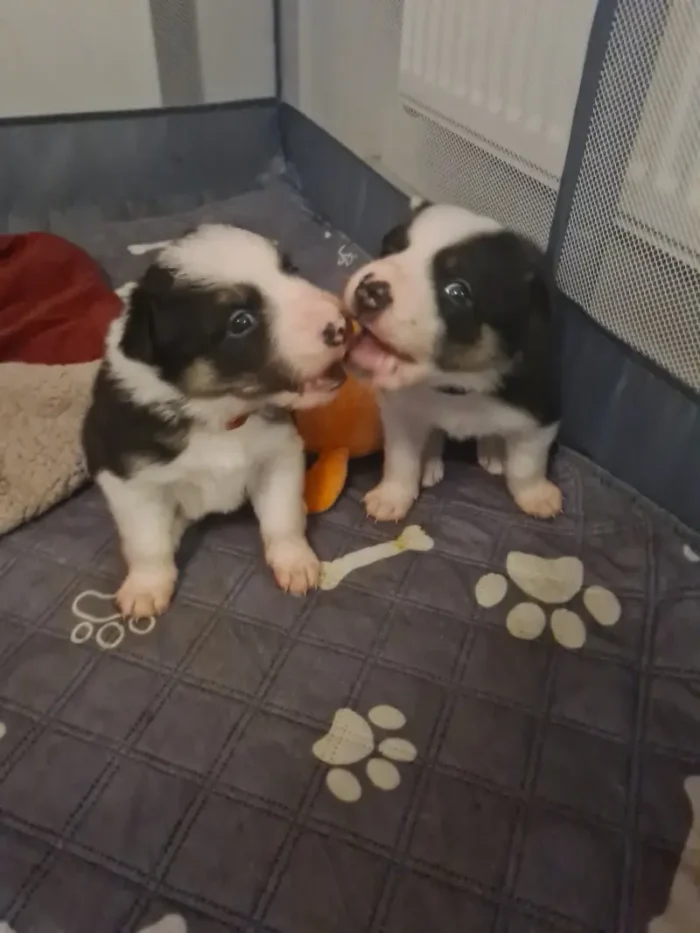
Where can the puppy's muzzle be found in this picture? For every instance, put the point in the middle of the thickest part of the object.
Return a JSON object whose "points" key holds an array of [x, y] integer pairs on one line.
{"points": [[371, 297]]}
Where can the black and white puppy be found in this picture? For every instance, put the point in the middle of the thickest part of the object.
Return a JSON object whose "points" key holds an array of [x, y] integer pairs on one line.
{"points": [[457, 336], [189, 415]]}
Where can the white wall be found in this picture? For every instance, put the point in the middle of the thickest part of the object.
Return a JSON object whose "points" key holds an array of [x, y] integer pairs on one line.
{"points": [[75, 56], [237, 49], [339, 68], [69, 56]]}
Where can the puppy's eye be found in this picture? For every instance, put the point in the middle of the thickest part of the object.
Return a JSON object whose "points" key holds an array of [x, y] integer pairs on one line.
{"points": [[241, 322], [459, 293]]}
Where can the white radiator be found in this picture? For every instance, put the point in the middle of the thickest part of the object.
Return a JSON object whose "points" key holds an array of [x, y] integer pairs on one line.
{"points": [[502, 73]]}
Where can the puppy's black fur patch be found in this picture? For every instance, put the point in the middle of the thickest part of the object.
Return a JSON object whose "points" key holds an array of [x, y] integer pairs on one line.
{"points": [[187, 334], [175, 325], [488, 280], [118, 433], [495, 284], [533, 382]]}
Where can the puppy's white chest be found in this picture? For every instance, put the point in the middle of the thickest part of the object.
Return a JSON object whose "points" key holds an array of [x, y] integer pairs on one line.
{"points": [[464, 416], [211, 475], [218, 453], [475, 415]]}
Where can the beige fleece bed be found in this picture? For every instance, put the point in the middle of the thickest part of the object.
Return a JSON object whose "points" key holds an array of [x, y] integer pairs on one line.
{"points": [[41, 412]]}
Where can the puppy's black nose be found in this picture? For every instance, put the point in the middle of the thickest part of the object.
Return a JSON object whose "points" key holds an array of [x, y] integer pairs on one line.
{"points": [[335, 335], [372, 295]]}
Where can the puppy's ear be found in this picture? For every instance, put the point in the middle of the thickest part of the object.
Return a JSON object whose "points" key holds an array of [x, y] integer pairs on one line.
{"points": [[138, 341], [147, 331], [537, 335], [395, 241], [528, 265], [419, 204], [540, 294]]}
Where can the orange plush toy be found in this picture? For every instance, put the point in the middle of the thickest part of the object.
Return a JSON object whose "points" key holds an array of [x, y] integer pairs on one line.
{"points": [[350, 426]]}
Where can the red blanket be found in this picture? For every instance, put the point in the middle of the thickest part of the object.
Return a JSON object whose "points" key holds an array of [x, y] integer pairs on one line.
{"points": [[55, 305]]}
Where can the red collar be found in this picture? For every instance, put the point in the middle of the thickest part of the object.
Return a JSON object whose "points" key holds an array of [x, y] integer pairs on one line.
{"points": [[236, 423]]}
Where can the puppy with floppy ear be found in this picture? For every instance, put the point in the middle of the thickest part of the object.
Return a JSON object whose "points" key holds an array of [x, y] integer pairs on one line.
{"points": [[218, 341], [457, 338]]}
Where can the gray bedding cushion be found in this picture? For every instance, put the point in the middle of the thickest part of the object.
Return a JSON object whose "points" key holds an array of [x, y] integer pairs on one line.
{"points": [[553, 789]]}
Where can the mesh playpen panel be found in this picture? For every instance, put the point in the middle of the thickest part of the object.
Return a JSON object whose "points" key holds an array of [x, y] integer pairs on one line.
{"points": [[632, 251]]}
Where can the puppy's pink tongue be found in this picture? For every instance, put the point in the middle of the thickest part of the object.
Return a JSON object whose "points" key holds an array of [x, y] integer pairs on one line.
{"points": [[369, 355]]}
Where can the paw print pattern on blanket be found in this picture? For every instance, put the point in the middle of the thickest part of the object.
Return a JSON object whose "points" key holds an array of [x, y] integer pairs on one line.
{"points": [[107, 631], [351, 740], [553, 582]]}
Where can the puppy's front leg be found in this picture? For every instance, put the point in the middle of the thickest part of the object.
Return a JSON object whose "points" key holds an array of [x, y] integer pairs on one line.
{"points": [[149, 530], [526, 472], [405, 439], [277, 495], [433, 463]]}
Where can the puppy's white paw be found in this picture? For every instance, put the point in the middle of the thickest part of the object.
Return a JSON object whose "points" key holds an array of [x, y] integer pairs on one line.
{"points": [[492, 465], [490, 452], [542, 500], [294, 564], [389, 502], [146, 593], [433, 472]]}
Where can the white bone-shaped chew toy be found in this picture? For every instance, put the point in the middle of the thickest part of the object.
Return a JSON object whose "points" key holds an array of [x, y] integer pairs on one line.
{"points": [[412, 538], [139, 249]]}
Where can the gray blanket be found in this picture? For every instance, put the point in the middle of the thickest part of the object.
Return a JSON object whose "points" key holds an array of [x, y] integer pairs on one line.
{"points": [[501, 733]]}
